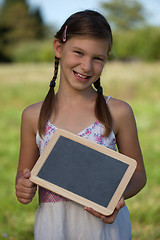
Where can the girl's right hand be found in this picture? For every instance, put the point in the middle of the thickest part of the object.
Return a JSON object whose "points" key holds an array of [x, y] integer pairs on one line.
{"points": [[108, 219], [25, 189]]}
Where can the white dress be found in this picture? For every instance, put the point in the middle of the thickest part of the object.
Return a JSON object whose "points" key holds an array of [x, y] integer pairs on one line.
{"points": [[60, 219]]}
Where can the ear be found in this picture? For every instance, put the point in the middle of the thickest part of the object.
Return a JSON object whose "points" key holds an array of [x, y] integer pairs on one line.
{"points": [[57, 48], [108, 54]]}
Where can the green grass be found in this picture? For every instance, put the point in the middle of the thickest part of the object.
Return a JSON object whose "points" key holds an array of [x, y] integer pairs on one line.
{"points": [[22, 85]]}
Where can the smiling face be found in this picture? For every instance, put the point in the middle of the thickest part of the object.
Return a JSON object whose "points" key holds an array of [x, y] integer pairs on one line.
{"points": [[82, 61]]}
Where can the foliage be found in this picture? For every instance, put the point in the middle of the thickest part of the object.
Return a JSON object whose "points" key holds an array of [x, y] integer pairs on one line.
{"points": [[124, 14], [138, 44], [133, 38], [24, 84], [33, 51], [17, 24]]}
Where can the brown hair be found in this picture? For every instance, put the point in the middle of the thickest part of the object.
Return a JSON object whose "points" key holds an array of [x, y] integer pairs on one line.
{"points": [[90, 24]]}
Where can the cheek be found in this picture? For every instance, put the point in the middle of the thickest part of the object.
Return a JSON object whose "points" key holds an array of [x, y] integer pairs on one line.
{"points": [[99, 68], [66, 63], [69, 60]]}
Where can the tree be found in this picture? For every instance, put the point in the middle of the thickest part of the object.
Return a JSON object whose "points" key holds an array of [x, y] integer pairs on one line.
{"points": [[124, 14], [18, 23]]}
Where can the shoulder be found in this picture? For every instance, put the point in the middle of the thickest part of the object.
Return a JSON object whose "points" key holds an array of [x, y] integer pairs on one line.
{"points": [[120, 107], [33, 109], [121, 112], [30, 116]]}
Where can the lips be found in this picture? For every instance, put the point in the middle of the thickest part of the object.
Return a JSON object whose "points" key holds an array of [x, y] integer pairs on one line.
{"points": [[81, 76]]}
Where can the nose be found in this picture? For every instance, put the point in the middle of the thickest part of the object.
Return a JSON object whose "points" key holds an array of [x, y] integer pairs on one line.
{"points": [[86, 65]]}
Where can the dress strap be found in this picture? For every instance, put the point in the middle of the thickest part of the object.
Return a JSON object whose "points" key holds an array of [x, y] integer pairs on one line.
{"points": [[108, 99]]}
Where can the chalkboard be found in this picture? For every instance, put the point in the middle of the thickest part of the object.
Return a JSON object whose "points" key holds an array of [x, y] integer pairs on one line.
{"points": [[83, 171]]}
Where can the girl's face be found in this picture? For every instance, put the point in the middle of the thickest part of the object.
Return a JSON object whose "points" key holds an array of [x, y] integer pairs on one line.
{"points": [[82, 61]]}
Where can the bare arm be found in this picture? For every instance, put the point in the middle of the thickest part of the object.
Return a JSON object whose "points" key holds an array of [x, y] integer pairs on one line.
{"points": [[29, 153], [128, 144]]}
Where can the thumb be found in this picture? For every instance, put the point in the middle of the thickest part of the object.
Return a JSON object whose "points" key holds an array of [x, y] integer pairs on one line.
{"points": [[120, 204], [26, 173]]}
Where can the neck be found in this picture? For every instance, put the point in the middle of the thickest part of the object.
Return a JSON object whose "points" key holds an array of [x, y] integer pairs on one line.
{"points": [[68, 95]]}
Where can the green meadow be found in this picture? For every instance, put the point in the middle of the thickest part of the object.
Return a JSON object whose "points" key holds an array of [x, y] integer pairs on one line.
{"points": [[23, 84]]}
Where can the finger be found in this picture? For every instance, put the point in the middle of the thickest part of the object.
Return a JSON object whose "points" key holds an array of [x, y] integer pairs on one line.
{"points": [[27, 190], [28, 184], [120, 204], [110, 219], [26, 173], [93, 212], [25, 195], [23, 188], [24, 201]]}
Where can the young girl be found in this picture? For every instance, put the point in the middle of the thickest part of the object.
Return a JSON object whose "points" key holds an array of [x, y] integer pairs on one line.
{"points": [[82, 48]]}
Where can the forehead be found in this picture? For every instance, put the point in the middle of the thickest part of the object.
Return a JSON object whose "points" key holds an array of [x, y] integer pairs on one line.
{"points": [[92, 46]]}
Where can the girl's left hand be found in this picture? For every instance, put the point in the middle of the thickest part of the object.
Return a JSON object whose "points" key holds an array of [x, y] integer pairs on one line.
{"points": [[108, 219]]}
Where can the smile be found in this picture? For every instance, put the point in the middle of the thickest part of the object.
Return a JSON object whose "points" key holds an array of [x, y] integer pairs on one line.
{"points": [[81, 75]]}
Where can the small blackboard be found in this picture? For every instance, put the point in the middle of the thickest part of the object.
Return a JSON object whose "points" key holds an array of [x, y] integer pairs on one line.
{"points": [[82, 171]]}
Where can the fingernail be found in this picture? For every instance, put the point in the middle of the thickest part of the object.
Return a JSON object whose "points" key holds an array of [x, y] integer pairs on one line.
{"points": [[27, 175], [89, 209]]}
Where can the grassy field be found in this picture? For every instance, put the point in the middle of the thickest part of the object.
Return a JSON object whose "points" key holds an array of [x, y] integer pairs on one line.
{"points": [[136, 83]]}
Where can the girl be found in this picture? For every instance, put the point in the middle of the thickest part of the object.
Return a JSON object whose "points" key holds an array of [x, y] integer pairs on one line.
{"points": [[82, 47]]}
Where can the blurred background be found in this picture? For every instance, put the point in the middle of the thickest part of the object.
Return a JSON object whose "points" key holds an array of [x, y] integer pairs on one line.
{"points": [[27, 27], [27, 30]]}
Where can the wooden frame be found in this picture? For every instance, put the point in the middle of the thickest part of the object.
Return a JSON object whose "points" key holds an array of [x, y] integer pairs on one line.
{"points": [[118, 158]]}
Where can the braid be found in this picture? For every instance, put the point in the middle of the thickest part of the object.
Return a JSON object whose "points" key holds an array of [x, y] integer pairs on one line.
{"points": [[49, 102], [101, 109], [53, 81], [56, 68]]}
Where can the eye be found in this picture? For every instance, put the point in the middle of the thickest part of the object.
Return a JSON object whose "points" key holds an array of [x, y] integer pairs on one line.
{"points": [[99, 59], [79, 53]]}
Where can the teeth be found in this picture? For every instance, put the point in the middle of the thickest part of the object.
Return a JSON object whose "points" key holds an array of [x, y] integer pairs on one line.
{"points": [[79, 75]]}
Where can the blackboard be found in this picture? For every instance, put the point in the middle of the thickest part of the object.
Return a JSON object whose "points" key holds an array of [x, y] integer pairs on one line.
{"points": [[83, 171]]}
